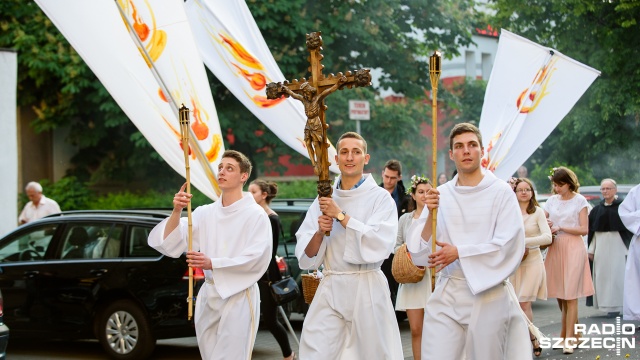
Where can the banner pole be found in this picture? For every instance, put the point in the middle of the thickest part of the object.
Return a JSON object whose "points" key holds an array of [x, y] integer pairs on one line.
{"points": [[434, 75]]}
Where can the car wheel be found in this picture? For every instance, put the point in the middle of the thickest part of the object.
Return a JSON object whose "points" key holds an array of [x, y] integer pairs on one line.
{"points": [[124, 332]]}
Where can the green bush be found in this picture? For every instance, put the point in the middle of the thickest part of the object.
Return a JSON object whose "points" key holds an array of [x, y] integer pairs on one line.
{"points": [[69, 192], [149, 199], [297, 189]]}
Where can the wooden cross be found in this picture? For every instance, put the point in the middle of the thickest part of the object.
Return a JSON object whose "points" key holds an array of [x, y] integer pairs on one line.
{"points": [[312, 93]]}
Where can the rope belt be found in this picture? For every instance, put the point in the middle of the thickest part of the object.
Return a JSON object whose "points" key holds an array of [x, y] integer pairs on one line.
{"points": [[352, 272], [452, 277]]}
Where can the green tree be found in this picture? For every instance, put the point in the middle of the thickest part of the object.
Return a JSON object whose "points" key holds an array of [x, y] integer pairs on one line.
{"points": [[602, 133]]}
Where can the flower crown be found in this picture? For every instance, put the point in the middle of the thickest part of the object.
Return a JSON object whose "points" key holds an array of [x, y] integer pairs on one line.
{"points": [[552, 172], [417, 180]]}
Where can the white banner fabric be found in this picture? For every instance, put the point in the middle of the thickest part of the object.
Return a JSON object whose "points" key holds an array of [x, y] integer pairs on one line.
{"points": [[149, 95], [531, 89], [233, 48], [8, 141]]}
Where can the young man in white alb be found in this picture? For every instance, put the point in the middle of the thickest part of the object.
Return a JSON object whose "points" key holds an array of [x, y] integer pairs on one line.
{"points": [[232, 244], [351, 316], [480, 235]]}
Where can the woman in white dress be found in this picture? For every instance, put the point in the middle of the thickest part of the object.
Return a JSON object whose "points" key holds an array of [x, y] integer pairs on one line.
{"points": [[567, 265], [530, 279], [412, 298]]}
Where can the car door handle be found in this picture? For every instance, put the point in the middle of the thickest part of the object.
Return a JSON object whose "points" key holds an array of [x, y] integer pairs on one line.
{"points": [[98, 272], [31, 274]]}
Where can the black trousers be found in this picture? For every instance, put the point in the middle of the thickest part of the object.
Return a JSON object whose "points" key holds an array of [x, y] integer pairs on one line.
{"points": [[269, 310]]}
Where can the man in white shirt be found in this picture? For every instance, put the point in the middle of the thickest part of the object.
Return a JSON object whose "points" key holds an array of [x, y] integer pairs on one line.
{"points": [[39, 206], [472, 312], [232, 243], [351, 316]]}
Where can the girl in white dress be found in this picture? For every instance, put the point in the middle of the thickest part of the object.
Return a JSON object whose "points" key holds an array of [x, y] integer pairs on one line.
{"points": [[413, 297]]}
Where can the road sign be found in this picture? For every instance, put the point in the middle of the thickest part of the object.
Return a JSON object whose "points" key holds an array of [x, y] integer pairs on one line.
{"points": [[359, 110]]}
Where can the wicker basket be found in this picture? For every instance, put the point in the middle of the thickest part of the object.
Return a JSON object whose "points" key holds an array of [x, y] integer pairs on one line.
{"points": [[310, 284], [403, 269]]}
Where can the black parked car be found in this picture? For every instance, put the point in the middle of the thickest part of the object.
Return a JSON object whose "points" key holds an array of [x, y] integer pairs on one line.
{"points": [[292, 212], [91, 274]]}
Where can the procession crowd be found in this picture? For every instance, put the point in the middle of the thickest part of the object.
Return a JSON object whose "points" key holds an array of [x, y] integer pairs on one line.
{"points": [[488, 235]]}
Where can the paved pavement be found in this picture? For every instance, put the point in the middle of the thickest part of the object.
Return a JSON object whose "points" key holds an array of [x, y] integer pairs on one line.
{"points": [[546, 317]]}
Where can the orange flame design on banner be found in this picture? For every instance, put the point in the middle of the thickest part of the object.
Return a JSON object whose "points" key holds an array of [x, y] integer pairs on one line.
{"points": [[241, 54], [256, 80], [200, 129], [487, 157], [265, 103], [216, 145], [139, 26], [542, 78], [162, 96], [156, 45]]}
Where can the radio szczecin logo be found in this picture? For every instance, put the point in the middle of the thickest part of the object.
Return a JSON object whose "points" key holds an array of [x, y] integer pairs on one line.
{"points": [[600, 336]]}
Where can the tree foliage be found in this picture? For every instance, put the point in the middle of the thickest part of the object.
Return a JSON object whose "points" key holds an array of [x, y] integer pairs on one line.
{"points": [[602, 133]]}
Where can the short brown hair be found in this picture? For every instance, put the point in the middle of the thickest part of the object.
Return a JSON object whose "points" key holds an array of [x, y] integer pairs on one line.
{"points": [[393, 165], [352, 135], [563, 175], [461, 129], [243, 161]]}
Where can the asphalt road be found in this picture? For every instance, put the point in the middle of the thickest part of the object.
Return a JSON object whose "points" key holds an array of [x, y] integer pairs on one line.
{"points": [[546, 317]]}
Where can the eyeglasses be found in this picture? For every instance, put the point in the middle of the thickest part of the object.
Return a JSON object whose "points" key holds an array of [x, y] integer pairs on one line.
{"points": [[606, 189], [523, 190]]}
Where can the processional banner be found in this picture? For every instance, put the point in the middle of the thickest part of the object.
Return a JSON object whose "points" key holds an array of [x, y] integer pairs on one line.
{"points": [[531, 89], [144, 54], [233, 48], [9, 187]]}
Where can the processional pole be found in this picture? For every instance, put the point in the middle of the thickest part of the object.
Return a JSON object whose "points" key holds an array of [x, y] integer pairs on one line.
{"points": [[434, 75], [184, 135]]}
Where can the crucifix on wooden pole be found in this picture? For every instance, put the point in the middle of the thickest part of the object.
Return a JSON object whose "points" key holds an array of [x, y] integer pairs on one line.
{"points": [[312, 93]]}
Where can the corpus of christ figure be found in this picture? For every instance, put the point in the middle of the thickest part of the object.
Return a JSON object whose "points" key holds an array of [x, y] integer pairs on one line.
{"points": [[312, 93], [314, 132]]}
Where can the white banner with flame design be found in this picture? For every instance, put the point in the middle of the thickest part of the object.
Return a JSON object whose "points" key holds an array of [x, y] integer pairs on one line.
{"points": [[234, 50], [149, 95], [9, 141], [531, 89]]}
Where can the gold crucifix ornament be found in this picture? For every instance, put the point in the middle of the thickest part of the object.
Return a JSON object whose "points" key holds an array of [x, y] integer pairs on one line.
{"points": [[312, 93]]}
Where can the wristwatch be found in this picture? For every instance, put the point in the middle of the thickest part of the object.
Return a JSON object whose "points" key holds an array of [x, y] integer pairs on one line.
{"points": [[341, 215]]}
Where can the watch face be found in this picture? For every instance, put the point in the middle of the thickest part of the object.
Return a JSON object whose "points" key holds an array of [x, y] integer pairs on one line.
{"points": [[340, 216]]}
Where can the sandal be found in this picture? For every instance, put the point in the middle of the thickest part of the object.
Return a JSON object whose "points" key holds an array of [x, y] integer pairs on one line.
{"points": [[537, 350], [568, 347]]}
